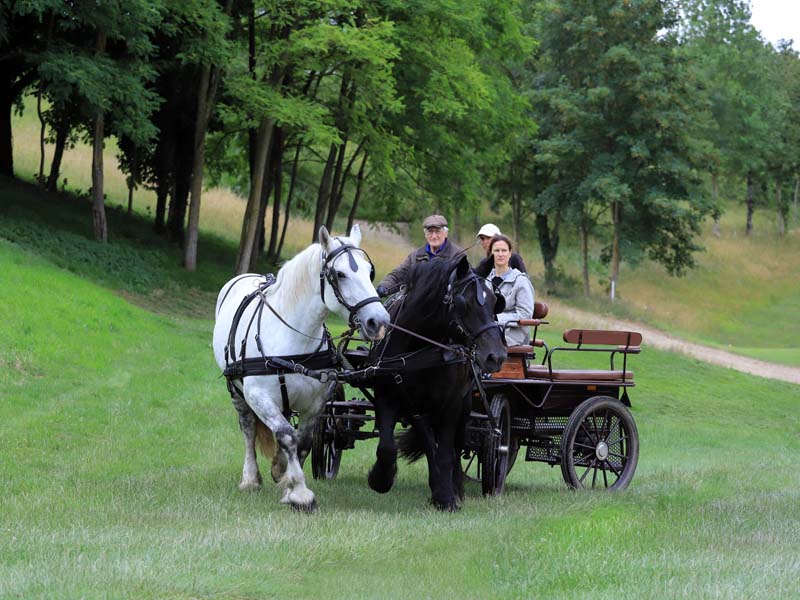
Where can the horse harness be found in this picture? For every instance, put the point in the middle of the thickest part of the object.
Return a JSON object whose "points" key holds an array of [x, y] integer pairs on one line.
{"points": [[323, 359]]}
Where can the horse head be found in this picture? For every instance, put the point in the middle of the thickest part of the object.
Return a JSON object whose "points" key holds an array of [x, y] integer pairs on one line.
{"points": [[346, 283], [473, 305]]}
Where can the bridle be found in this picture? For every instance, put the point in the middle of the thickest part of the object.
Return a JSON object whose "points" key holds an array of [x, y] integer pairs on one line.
{"points": [[456, 303], [328, 273]]}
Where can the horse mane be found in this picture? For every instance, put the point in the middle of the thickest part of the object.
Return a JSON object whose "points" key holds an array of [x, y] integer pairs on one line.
{"points": [[294, 275], [426, 287]]}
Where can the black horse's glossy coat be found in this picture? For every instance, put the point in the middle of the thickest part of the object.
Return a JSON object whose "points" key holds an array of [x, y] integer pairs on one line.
{"points": [[445, 302]]}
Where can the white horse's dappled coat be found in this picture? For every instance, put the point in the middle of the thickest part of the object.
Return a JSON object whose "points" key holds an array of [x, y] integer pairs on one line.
{"points": [[296, 297]]}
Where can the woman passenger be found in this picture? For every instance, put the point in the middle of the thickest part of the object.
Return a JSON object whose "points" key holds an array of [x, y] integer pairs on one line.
{"points": [[516, 288]]}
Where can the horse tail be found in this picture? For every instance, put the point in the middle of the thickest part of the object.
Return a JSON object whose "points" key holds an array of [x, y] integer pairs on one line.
{"points": [[411, 443], [265, 439]]}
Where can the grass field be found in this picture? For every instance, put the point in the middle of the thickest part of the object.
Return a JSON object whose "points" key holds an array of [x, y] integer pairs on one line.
{"points": [[120, 455]]}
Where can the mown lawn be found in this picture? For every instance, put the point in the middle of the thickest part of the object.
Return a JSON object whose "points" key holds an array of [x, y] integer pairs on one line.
{"points": [[120, 455]]}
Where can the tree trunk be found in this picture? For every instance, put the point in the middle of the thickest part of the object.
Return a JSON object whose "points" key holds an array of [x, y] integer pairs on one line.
{"points": [[295, 164], [783, 208], [277, 184], [548, 244], [516, 217], [159, 221], [750, 201], [716, 212], [252, 133], [266, 191], [337, 187], [100, 225], [323, 195], [357, 197], [98, 201], [250, 221], [615, 208], [58, 153], [794, 199], [6, 134], [204, 100], [176, 216], [133, 178], [585, 258], [42, 130]]}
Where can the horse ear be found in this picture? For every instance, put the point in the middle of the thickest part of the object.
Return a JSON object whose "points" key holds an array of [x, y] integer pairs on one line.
{"points": [[355, 235], [324, 238], [462, 268]]}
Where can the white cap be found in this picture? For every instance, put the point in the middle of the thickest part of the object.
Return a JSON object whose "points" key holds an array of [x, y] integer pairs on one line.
{"points": [[489, 230]]}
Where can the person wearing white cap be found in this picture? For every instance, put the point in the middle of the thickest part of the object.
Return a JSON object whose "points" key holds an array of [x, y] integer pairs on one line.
{"points": [[485, 235], [436, 246]]}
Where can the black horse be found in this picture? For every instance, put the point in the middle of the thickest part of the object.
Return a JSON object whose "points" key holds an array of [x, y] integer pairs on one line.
{"points": [[453, 309]]}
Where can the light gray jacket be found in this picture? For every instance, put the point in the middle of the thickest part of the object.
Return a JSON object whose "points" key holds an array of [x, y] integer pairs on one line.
{"points": [[517, 290]]}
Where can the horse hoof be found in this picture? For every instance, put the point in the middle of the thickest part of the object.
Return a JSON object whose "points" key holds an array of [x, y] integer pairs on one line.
{"points": [[450, 506], [305, 508], [249, 486], [378, 482]]}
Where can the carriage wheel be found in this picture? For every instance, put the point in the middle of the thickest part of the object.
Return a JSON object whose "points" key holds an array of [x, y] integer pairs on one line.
{"points": [[600, 445], [494, 458], [326, 455]]}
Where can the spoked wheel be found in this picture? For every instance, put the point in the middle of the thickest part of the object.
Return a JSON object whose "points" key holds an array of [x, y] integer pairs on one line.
{"points": [[326, 451], [494, 458], [471, 465], [600, 445]]}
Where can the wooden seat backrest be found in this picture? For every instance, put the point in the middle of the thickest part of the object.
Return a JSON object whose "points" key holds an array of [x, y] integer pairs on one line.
{"points": [[603, 337]]}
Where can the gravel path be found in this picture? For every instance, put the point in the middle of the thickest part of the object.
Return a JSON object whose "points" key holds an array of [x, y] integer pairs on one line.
{"points": [[664, 341]]}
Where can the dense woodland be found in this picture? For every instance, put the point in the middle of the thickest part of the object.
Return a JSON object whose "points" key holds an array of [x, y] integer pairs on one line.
{"points": [[623, 122]]}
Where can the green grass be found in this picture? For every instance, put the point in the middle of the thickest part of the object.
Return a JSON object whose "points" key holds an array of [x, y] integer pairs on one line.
{"points": [[121, 455]]}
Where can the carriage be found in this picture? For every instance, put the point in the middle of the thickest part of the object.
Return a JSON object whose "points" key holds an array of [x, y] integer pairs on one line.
{"points": [[443, 350], [578, 419]]}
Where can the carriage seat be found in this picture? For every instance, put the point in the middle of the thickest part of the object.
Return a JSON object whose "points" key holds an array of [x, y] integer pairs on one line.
{"points": [[621, 342], [516, 363], [542, 372]]}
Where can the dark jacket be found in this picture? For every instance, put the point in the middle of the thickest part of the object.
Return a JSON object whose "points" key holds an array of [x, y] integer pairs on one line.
{"points": [[392, 282], [487, 264]]}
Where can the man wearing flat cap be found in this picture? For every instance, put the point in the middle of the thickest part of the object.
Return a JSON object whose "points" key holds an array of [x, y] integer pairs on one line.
{"points": [[436, 246]]}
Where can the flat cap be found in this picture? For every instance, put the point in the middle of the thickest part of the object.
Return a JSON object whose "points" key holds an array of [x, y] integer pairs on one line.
{"points": [[489, 230], [434, 221]]}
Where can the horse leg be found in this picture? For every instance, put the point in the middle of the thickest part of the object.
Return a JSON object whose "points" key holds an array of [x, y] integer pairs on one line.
{"points": [[381, 475], [460, 433], [423, 430], [293, 481], [251, 477], [443, 493]]}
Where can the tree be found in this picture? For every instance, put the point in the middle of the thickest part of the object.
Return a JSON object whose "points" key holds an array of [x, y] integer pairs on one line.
{"points": [[206, 96], [620, 104], [110, 71]]}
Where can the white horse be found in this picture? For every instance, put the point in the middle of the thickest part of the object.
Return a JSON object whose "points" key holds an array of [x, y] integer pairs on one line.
{"points": [[285, 320]]}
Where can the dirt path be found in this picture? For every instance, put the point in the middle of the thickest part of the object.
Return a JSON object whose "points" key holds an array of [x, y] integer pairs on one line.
{"points": [[659, 339]]}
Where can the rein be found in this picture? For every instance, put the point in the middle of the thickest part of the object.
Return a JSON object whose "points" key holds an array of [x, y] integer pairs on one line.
{"points": [[449, 301]]}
